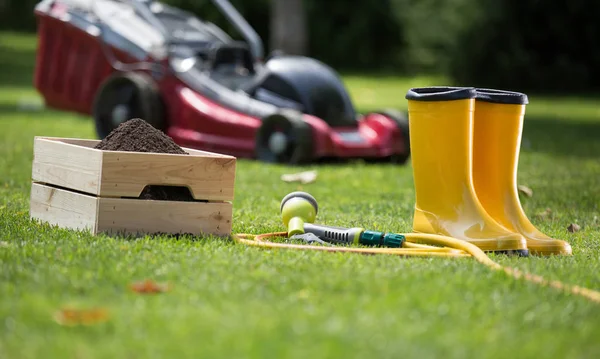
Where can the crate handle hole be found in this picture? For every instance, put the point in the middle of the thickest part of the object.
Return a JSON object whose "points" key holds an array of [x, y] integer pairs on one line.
{"points": [[168, 193]]}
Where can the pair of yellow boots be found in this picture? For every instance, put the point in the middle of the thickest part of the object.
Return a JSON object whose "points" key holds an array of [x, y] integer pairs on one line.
{"points": [[465, 146]]}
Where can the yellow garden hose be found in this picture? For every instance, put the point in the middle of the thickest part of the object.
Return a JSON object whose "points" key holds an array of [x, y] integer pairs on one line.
{"points": [[260, 242], [421, 245]]}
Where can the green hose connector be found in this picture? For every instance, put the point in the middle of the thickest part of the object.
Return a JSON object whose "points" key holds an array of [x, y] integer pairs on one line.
{"points": [[371, 238], [393, 240], [375, 238], [356, 235]]}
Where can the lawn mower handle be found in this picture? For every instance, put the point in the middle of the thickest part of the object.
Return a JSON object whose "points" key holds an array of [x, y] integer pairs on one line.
{"points": [[141, 6], [254, 41], [248, 32]]}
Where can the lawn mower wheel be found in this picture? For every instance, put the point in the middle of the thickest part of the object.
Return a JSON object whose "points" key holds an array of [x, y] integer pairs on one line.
{"points": [[124, 96], [284, 138]]}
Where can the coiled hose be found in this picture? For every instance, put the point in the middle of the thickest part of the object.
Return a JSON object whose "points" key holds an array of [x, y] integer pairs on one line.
{"points": [[422, 245]]}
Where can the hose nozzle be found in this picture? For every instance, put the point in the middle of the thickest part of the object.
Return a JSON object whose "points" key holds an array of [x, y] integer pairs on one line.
{"points": [[298, 208]]}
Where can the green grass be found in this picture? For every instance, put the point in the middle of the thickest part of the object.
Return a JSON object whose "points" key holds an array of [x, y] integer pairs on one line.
{"points": [[232, 301]]}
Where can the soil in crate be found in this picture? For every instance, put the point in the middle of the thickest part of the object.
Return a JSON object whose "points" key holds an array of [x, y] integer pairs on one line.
{"points": [[136, 135]]}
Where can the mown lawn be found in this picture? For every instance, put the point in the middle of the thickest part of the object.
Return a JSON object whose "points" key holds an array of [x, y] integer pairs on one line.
{"points": [[232, 301]]}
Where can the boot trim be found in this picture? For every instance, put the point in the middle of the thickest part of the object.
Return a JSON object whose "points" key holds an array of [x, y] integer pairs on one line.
{"points": [[440, 93], [501, 96]]}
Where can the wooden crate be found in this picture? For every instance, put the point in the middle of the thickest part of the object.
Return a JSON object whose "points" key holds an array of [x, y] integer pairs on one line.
{"points": [[76, 186]]}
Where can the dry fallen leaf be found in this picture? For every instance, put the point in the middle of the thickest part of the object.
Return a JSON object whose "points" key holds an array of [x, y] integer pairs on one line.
{"points": [[525, 190], [302, 177], [149, 286], [71, 317], [303, 294], [573, 227], [545, 213]]}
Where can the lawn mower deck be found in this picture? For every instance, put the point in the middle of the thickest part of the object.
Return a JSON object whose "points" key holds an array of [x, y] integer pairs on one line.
{"points": [[116, 60]]}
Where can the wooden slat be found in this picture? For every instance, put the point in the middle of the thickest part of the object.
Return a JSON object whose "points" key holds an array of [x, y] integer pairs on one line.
{"points": [[92, 143], [133, 216], [76, 141], [194, 152], [125, 174], [66, 165], [128, 216], [63, 208]]}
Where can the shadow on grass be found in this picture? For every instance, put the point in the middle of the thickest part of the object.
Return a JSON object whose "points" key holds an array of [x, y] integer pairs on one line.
{"points": [[24, 113], [14, 109], [561, 137], [178, 237], [17, 66]]}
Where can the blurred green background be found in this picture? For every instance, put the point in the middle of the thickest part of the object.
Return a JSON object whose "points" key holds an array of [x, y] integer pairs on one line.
{"points": [[526, 45]]}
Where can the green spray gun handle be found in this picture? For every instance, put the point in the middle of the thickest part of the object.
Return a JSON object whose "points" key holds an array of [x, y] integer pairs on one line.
{"points": [[355, 235]]}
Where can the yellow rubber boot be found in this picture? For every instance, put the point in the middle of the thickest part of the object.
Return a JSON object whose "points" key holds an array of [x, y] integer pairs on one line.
{"points": [[498, 124], [441, 125]]}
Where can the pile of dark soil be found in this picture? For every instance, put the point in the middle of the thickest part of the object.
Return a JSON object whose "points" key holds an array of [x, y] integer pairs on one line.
{"points": [[137, 135]]}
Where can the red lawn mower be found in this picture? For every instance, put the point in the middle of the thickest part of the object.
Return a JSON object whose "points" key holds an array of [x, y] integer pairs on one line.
{"points": [[116, 60]]}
